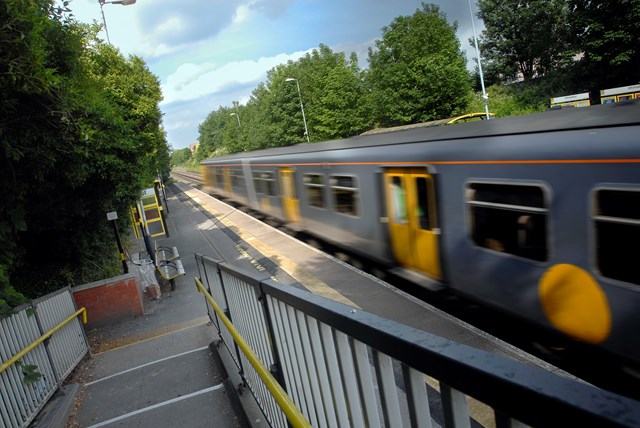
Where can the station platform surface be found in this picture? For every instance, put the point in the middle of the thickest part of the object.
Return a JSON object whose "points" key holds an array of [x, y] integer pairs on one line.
{"points": [[161, 369]]}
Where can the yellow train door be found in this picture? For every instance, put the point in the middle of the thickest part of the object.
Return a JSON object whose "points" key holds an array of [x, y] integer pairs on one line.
{"points": [[226, 174], [289, 196], [411, 205]]}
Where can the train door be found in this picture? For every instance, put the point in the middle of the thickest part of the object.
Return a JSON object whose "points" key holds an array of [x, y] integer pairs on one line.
{"points": [[411, 205], [289, 196], [226, 174]]}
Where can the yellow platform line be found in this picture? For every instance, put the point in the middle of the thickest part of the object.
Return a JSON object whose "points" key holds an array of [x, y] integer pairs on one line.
{"points": [[307, 280]]}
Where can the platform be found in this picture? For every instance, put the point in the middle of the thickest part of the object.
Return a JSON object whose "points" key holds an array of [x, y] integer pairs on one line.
{"points": [[159, 369]]}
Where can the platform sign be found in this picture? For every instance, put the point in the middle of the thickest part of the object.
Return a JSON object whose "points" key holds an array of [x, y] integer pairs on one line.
{"points": [[575, 100], [622, 93]]}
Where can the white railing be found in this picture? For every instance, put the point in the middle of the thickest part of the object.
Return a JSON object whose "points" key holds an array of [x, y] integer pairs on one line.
{"points": [[344, 367], [43, 338]]}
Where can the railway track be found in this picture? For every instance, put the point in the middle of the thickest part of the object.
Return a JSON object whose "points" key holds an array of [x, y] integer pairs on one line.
{"points": [[580, 360]]}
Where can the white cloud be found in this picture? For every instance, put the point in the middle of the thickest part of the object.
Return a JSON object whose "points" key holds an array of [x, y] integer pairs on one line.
{"points": [[242, 14], [192, 81]]}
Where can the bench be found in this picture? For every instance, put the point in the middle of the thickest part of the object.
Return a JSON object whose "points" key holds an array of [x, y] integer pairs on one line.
{"points": [[168, 263]]}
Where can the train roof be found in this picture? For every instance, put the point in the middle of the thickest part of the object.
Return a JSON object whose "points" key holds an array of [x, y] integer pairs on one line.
{"points": [[599, 116]]}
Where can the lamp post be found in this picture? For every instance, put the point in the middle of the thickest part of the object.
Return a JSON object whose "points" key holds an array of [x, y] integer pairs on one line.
{"points": [[485, 97], [237, 117], [103, 2], [306, 131]]}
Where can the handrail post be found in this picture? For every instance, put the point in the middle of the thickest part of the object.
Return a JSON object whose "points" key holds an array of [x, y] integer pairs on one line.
{"points": [[277, 370]]}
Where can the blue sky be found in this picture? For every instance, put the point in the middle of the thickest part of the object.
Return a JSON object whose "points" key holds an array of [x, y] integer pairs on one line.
{"points": [[209, 53]]}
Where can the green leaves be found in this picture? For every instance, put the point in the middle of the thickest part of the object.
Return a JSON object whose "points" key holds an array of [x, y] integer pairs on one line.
{"points": [[80, 134], [30, 373], [418, 72]]}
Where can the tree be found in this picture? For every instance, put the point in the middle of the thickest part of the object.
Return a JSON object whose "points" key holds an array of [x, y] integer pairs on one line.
{"points": [[606, 36], [334, 93], [418, 72], [526, 38], [181, 156], [80, 135]]}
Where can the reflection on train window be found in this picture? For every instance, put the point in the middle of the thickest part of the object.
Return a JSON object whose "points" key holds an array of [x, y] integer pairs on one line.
{"points": [[509, 218], [219, 179], [314, 187], [237, 179], [264, 183], [617, 222], [423, 203], [398, 201], [345, 194]]}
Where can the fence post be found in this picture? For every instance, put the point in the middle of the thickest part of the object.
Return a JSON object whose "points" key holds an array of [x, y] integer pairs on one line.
{"points": [[34, 305], [276, 369]]}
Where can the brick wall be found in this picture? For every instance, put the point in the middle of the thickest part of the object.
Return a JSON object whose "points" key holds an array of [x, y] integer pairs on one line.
{"points": [[110, 300]]}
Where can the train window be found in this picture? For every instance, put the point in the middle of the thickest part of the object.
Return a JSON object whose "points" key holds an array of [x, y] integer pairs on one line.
{"points": [[264, 182], [398, 201], [345, 194], [423, 203], [314, 187], [237, 179], [509, 218], [219, 179], [617, 223]]}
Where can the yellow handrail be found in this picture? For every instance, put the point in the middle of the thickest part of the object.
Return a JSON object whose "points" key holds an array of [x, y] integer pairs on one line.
{"points": [[469, 116], [42, 338], [294, 416]]}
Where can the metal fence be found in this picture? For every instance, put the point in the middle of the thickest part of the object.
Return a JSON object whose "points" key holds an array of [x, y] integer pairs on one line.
{"points": [[44, 337], [344, 367]]}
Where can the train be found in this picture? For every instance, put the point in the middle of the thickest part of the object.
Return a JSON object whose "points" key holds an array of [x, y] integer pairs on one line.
{"points": [[536, 215]]}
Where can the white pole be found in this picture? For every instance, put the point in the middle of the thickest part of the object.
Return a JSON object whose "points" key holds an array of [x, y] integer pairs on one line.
{"points": [[485, 97]]}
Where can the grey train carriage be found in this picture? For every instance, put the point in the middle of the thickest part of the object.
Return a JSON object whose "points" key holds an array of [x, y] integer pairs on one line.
{"points": [[538, 215]]}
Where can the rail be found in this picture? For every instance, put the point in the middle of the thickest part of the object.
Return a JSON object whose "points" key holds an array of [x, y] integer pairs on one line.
{"points": [[43, 341], [345, 367], [295, 417], [42, 338]]}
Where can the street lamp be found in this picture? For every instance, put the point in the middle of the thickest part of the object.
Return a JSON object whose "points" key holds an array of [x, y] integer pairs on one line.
{"points": [[306, 131], [485, 97], [103, 2], [237, 117]]}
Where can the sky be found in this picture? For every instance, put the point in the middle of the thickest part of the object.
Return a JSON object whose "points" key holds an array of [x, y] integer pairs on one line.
{"points": [[209, 53]]}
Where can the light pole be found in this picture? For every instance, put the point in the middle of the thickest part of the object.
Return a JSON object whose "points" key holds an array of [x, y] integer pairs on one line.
{"points": [[306, 131], [485, 97], [103, 2], [237, 117]]}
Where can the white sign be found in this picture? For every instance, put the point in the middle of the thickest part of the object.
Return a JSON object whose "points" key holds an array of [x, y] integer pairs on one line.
{"points": [[569, 98], [112, 215]]}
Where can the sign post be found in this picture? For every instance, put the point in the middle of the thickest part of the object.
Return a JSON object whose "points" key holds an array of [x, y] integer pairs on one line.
{"points": [[112, 217]]}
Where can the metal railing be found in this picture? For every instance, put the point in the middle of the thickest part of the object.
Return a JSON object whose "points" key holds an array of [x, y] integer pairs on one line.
{"points": [[44, 338], [345, 367]]}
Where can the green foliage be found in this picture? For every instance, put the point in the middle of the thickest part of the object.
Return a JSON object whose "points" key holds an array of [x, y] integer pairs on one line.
{"points": [[9, 298], [527, 38], [606, 33], [180, 156], [80, 136], [511, 100], [418, 72], [30, 373]]}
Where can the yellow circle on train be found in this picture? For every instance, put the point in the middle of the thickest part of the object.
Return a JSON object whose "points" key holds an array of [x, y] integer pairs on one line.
{"points": [[574, 303]]}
